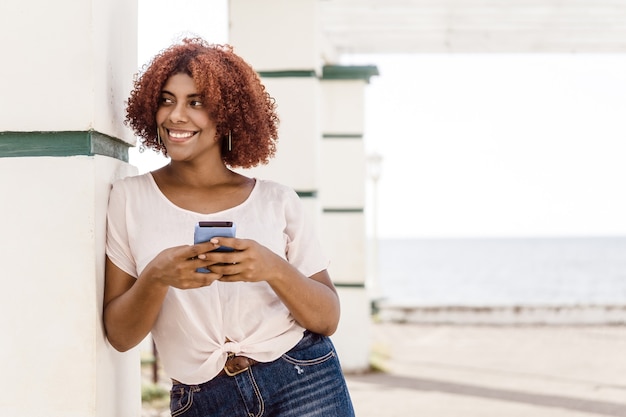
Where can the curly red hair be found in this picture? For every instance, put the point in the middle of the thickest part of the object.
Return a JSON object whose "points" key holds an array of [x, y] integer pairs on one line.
{"points": [[236, 100]]}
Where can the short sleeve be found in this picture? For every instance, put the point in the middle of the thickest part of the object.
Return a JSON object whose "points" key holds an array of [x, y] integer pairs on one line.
{"points": [[117, 242], [304, 250]]}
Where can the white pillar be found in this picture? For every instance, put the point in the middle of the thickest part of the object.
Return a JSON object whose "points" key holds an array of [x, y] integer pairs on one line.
{"points": [[62, 143], [282, 41], [279, 39], [342, 195]]}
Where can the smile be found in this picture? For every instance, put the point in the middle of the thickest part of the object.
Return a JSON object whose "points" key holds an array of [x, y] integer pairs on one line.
{"points": [[180, 135]]}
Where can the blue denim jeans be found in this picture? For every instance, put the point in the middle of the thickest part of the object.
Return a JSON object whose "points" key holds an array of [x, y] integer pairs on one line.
{"points": [[307, 381]]}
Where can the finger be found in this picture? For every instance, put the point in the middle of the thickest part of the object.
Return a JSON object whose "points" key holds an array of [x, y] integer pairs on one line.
{"points": [[227, 270], [205, 264], [224, 258], [230, 242], [207, 278], [230, 278], [195, 251], [196, 280]]}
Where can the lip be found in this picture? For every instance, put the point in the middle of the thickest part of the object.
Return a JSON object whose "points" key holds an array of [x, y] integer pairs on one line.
{"points": [[179, 135]]}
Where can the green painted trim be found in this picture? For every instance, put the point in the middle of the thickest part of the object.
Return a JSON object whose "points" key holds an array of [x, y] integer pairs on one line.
{"points": [[329, 72], [349, 284], [288, 74], [307, 194], [349, 72], [342, 136], [89, 143], [343, 210]]}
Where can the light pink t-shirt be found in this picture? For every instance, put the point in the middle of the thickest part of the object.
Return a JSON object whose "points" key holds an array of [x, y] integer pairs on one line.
{"points": [[193, 325]]}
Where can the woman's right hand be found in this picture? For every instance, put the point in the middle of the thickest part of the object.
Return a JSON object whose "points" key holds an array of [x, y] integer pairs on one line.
{"points": [[176, 267], [132, 305]]}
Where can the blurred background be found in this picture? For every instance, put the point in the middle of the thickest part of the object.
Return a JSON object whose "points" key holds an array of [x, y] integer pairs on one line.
{"points": [[495, 141], [462, 161], [493, 172]]}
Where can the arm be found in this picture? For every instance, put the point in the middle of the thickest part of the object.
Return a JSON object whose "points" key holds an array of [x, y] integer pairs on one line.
{"points": [[312, 301], [131, 305]]}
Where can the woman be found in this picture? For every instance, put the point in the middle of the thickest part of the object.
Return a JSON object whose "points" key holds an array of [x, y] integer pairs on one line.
{"points": [[250, 337]]}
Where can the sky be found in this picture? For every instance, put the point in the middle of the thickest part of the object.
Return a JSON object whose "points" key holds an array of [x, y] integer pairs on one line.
{"points": [[500, 145]]}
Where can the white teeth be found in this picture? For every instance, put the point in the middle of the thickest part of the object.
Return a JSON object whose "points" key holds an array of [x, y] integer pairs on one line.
{"points": [[181, 135]]}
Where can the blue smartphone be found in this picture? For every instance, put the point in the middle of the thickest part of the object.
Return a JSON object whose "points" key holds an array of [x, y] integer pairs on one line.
{"points": [[205, 231]]}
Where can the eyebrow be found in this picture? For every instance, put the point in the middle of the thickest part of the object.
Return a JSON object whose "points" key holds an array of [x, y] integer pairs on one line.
{"points": [[194, 95]]}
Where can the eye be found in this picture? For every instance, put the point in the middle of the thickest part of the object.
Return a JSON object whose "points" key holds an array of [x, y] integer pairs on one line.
{"points": [[195, 103], [164, 101]]}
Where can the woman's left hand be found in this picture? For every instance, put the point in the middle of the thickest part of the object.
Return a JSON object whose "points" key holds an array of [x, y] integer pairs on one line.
{"points": [[312, 301], [250, 261]]}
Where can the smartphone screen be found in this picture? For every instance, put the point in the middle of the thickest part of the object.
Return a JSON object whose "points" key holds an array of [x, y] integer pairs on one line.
{"points": [[205, 231]]}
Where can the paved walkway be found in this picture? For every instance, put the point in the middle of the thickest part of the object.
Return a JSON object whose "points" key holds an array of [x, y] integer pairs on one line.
{"points": [[503, 371], [490, 371]]}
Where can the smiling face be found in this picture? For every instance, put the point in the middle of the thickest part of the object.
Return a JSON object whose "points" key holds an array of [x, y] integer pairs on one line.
{"points": [[183, 121]]}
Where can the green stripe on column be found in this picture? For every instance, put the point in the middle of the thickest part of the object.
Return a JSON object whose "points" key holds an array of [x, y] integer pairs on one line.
{"points": [[349, 72], [288, 74], [307, 194], [24, 144], [342, 136], [349, 284], [344, 210]]}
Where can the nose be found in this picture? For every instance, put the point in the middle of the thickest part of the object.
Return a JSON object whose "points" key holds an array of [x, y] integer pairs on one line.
{"points": [[178, 113]]}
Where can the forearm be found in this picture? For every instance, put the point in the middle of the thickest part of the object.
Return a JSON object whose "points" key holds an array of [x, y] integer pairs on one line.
{"points": [[129, 318], [312, 301]]}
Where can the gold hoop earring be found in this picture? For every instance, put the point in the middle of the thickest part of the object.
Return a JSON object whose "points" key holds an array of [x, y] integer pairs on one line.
{"points": [[159, 140], [230, 141]]}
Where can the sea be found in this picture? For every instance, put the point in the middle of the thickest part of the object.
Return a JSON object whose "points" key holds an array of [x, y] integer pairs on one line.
{"points": [[475, 273]]}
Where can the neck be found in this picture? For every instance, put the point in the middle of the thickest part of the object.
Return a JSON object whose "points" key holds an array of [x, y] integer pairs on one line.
{"points": [[198, 176]]}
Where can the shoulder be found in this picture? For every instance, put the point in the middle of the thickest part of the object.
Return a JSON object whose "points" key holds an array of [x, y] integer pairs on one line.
{"points": [[130, 188], [132, 182], [273, 189]]}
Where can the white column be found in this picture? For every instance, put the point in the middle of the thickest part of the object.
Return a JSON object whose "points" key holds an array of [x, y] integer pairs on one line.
{"points": [[342, 196], [279, 38], [62, 143], [282, 41]]}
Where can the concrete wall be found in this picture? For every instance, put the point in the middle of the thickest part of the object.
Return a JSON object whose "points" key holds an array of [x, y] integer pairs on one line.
{"points": [[67, 69], [276, 34], [68, 65], [298, 151], [342, 196], [52, 246], [282, 41]]}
